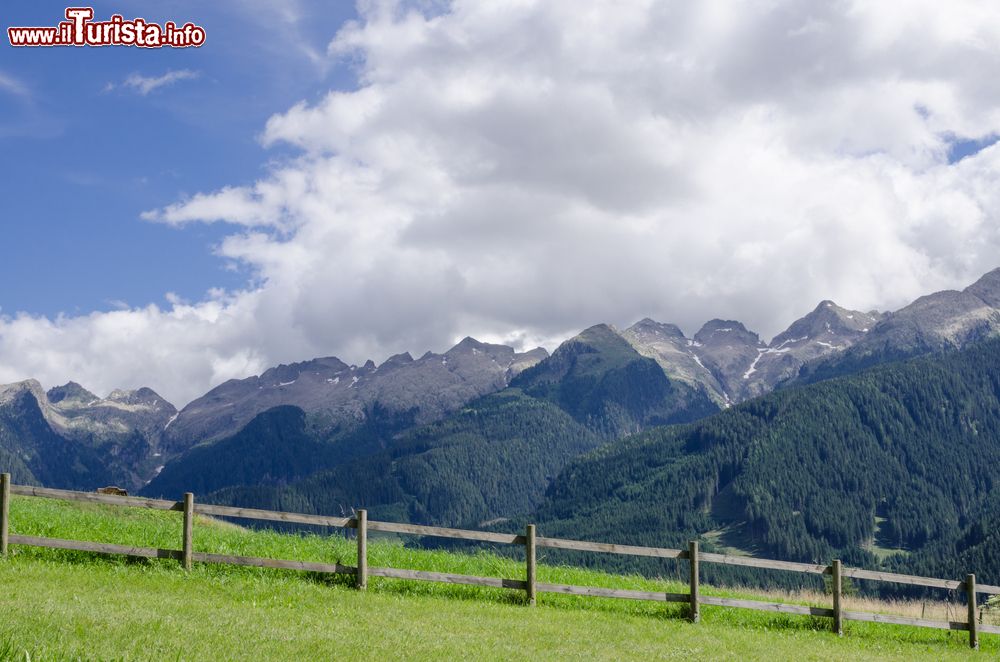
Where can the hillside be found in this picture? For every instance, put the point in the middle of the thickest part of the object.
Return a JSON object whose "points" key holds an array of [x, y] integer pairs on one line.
{"points": [[604, 383], [69, 437], [63, 605], [341, 396], [493, 459], [33, 452], [895, 467]]}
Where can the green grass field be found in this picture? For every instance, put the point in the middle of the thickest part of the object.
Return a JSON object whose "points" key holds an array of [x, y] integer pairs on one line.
{"points": [[57, 605]]}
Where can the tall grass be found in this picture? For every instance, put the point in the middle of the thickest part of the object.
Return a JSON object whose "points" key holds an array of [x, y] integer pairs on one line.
{"points": [[41, 571]]}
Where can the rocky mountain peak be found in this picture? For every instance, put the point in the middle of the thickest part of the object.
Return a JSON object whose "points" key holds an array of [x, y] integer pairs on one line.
{"points": [[595, 335], [140, 397], [524, 360], [11, 392], [827, 321], [467, 344], [397, 360], [538, 353], [71, 392], [987, 288], [649, 327], [342, 395], [286, 374], [721, 332], [678, 357]]}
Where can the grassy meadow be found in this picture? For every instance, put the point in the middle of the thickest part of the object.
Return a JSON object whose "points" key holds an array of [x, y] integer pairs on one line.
{"points": [[64, 605]]}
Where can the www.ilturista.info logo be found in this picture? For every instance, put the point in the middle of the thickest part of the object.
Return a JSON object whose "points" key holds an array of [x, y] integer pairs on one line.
{"points": [[80, 30]]}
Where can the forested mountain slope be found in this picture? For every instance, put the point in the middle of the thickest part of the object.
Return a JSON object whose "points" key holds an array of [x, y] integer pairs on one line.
{"points": [[603, 382], [595, 387], [276, 447], [900, 462], [34, 453], [492, 459]]}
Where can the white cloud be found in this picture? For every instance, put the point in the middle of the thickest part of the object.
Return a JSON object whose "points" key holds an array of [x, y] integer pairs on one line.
{"points": [[146, 84], [523, 170], [13, 86]]}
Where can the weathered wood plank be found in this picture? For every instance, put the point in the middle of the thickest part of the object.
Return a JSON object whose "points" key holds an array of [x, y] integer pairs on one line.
{"points": [[4, 513], [610, 548], [96, 547], [272, 515], [187, 538], [93, 497], [780, 607], [447, 578], [858, 573], [600, 592], [986, 588], [361, 577], [530, 563], [970, 592], [768, 564], [838, 589], [281, 564], [904, 620], [693, 558], [445, 532]]}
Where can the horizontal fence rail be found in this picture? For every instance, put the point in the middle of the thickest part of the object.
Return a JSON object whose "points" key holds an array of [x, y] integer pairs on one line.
{"points": [[530, 541], [271, 515]]}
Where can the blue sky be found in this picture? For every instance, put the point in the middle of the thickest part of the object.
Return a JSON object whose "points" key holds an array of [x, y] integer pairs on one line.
{"points": [[325, 179], [82, 161]]}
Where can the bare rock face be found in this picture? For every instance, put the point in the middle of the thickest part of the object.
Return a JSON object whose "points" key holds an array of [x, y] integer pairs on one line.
{"points": [[948, 319], [603, 382], [339, 394], [79, 413], [677, 355], [828, 329], [987, 288], [34, 452], [945, 319], [728, 349], [526, 360], [125, 427], [733, 363], [116, 437]]}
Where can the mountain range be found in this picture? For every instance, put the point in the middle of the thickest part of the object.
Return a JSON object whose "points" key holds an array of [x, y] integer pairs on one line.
{"points": [[895, 467], [136, 434], [482, 433]]}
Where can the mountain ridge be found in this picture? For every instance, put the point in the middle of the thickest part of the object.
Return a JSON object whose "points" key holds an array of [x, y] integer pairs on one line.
{"points": [[647, 374]]}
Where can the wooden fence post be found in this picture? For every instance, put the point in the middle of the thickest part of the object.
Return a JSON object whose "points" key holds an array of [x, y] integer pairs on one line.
{"points": [[970, 591], [362, 573], [4, 513], [188, 549], [837, 586], [529, 553], [693, 557]]}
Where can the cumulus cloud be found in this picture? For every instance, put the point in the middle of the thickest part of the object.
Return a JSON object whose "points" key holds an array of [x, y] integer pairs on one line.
{"points": [[518, 171], [143, 85]]}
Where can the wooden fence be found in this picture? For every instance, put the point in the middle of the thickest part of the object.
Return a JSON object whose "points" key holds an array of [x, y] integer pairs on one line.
{"points": [[531, 542]]}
